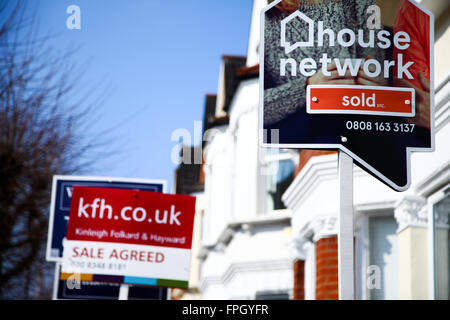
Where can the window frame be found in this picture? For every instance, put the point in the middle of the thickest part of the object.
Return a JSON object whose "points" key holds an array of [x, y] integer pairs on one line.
{"points": [[438, 196], [268, 158]]}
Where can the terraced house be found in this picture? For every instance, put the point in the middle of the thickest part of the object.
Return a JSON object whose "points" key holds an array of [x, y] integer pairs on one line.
{"points": [[267, 226]]}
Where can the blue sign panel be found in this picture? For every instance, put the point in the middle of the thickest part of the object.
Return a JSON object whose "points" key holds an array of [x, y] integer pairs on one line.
{"points": [[60, 203]]}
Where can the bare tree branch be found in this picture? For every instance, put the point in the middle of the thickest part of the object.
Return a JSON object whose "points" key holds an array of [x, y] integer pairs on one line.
{"points": [[43, 113]]}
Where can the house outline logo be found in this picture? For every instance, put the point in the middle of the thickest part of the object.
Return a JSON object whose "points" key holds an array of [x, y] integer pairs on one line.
{"points": [[287, 45]]}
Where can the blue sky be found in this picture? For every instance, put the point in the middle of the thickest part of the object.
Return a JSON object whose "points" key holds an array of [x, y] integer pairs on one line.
{"points": [[159, 59]]}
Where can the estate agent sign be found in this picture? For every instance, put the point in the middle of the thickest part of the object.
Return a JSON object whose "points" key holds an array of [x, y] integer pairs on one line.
{"points": [[351, 76], [62, 190], [129, 236]]}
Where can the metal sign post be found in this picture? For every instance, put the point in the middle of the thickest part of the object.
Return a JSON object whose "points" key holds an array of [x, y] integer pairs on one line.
{"points": [[345, 233], [123, 293]]}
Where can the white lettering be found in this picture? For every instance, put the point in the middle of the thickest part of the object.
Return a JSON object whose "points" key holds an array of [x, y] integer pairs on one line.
{"points": [[402, 37], [94, 207], [371, 101], [143, 214], [104, 207], [383, 37], [325, 61], [346, 38], [356, 101], [283, 65], [158, 219], [321, 32], [174, 216], [347, 64], [351, 37], [371, 42], [345, 101], [387, 65], [306, 64], [82, 209], [403, 69], [368, 72], [122, 213]]}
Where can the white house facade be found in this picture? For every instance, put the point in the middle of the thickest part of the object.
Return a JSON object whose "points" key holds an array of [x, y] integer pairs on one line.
{"points": [[269, 227]]}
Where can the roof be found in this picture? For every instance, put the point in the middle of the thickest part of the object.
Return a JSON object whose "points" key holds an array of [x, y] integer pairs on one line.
{"points": [[188, 175], [245, 73], [231, 78], [210, 111]]}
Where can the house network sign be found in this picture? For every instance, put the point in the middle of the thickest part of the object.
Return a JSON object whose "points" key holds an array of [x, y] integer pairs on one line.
{"points": [[333, 76]]}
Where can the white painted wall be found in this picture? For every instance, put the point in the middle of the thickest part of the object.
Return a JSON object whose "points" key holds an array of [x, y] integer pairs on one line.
{"points": [[244, 268], [253, 43], [412, 280], [244, 128], [218, 163]]}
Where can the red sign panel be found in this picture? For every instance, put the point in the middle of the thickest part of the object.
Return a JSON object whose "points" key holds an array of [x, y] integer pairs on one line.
{"points": [[131, 217], [383, 101]]}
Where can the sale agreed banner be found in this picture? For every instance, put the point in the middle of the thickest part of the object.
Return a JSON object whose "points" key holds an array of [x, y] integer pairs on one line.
{"points": [[355, 76], [129, 236]]}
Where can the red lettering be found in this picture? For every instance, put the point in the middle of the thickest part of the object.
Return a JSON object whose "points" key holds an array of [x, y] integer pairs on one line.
{"points": [[92, 253], [124, 254], [142, 256], [133, 255], [75, 251], [113, 254], [159, 257], [84, 253]]}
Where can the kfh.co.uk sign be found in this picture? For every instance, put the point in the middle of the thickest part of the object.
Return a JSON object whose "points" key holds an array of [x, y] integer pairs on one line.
{"points": [[129, 236], [334, 76]]}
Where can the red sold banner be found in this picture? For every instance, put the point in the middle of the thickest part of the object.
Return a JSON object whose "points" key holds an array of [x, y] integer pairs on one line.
{"points": [[143, 237], [397, 102]]}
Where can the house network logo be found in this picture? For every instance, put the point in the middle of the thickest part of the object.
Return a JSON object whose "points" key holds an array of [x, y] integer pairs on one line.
{"points": [[371, 38]]}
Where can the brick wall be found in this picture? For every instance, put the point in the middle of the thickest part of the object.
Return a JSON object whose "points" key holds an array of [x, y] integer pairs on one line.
{"points": [[305, 155], [327, 269], [299, 280]]}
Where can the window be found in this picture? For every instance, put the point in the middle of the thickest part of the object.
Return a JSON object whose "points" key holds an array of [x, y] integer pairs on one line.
{"points": [[383, 255], [279, 175], [440, 245], [269, 295]]}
